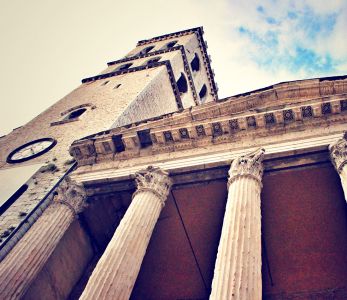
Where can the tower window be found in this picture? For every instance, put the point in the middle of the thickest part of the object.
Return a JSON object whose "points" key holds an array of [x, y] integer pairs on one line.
{"points": [[182, 84], [202, 93], [75, 114], [153, 60], [146, 50], [195, 63], [106, 82], [169, 45], [124, 67], [117, 86]]}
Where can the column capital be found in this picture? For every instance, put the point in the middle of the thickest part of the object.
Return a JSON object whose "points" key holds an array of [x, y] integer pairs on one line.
{"points": [[338, 152], [249, 165], [155, 180], [71, 194]]}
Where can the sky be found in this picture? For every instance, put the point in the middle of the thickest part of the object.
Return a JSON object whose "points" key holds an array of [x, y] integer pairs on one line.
{"points": [[48, 46]]}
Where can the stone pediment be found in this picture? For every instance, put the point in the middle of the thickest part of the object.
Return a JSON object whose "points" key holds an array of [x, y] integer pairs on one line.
{"points": [[276, 110]]}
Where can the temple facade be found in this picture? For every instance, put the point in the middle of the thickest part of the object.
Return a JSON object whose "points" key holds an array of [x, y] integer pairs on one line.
{"points": [[143, 184]]}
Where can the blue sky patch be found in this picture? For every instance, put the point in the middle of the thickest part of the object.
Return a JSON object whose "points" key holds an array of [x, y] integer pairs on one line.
{"points": [[310, 61], [295, 55], [260, 9], [292, 15], [315, 25], [271, 20]]}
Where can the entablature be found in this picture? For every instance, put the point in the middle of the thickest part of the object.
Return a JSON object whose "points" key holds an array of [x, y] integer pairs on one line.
{"points": [[212, 124], [202, 168]]}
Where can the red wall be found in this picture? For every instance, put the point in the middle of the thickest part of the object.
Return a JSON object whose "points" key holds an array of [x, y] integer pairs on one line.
{"points": [[304, 228], [304, 231], [171, 269]]}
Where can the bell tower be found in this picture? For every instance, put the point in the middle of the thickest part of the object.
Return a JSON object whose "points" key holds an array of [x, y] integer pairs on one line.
{"points": [[160, 76], [170, 73]]}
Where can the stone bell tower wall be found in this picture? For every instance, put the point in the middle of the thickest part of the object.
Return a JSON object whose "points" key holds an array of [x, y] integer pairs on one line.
{"points": [[130, 97], [129, 90]]}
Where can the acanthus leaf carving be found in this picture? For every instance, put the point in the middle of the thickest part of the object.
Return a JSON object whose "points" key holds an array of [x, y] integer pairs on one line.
{"points": [[155, 180], [338, 153], [71, 194], [249, 165]]}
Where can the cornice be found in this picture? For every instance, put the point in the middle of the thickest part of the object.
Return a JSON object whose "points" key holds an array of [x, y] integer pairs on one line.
{"points": [[197, 30], [210, 126], [297, 86], [117, 174]]}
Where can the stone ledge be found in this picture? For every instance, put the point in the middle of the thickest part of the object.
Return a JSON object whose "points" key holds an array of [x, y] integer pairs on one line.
{"points": [[315, 149], [190, 133]]}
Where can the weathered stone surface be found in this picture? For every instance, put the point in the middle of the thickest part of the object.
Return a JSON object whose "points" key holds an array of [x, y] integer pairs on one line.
{"points": [[140, 93], [237, 272], [116, 272], [24, 262], [65, 266]]}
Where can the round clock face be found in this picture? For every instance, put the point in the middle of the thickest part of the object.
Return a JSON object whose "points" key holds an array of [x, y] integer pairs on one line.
{"points": [[31, 150]]}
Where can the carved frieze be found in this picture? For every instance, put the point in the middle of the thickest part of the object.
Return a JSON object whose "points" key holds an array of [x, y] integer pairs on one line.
{"points": [[251, 122], [343, 104], [212, 123], [216, 129], [234, 125], [200, 130], [306, 112], [269, 119], [326, 108], [184, 133]]}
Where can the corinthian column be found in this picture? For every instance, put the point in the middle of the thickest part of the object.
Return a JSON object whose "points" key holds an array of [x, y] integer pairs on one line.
{"points": [[20, 267], [237, 273], [115, 274], [338, 155]]}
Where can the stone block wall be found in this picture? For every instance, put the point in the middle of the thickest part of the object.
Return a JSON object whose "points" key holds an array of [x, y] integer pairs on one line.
{"points": [[105, 101]]}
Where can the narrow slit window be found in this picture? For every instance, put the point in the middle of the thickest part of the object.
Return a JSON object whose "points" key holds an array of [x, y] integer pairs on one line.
{"points": [[195, 63], [152, 60], [182, 84], [124, 67], [146, 50], [171, 44], [203, 93]]}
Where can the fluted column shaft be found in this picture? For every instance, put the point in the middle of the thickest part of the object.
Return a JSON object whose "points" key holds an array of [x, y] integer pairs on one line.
{"points": [[237, 273], [117, 270], [21, 266], [338, 155]]}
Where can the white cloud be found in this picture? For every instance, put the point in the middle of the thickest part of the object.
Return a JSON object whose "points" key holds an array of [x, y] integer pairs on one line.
{"points": [[310, 44]]}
